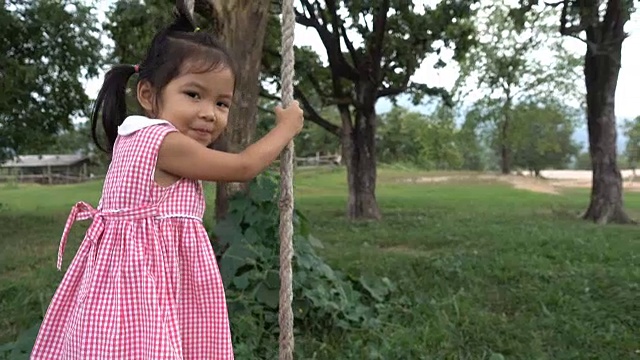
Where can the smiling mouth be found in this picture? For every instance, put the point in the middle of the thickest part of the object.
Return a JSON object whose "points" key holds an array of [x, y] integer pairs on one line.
{"points": [[202, 131], [202, 134]]}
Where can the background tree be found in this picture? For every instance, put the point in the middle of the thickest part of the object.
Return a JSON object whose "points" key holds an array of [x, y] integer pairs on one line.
{"points": [[373, 48], [398, 136], [632, 148], [542, 135], [47, 47], [74, 140], [604, 32], [582, 161], [472, 150], [602, 23], [426, 141], [516, 59], [482, 122]]}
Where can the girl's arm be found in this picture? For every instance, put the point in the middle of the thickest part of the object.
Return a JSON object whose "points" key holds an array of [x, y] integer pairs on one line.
{"points": [[184, 157]]}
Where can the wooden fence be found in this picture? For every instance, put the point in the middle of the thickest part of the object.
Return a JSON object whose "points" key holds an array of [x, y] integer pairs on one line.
{"points": [[55, 178], [48, 179], [317, 160]]}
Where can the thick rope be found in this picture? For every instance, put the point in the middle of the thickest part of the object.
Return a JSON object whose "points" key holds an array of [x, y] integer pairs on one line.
{"points": [[286, 190]]}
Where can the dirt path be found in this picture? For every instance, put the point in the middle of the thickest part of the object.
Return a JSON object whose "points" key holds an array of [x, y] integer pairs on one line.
{"points": [[539, 185]]}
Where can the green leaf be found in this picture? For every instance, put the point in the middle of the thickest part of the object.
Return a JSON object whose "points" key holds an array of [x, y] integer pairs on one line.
{"points": [[252, 236], [227, 232], [238, 205], [49, 49], [305, 261], [260, 194], [273, 279], [6, 347], [267, 296], [327, 271], [237, 255], [229, 266], [22, 347], [315, 242], [241, 282], [376, 288]]}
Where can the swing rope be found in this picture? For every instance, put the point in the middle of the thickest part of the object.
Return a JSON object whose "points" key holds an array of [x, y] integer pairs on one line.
{"points": [[285, 317]]}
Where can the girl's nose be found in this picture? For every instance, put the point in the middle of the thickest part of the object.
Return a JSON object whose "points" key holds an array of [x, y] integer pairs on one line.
{"points": [[208, 114]]}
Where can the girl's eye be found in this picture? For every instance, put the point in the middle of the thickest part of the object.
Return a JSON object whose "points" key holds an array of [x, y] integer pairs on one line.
{"points": [[192, 94], [223, 104]]}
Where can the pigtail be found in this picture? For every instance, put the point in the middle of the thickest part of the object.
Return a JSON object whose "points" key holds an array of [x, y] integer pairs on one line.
{"points": [[183, 16], [111, 104]]}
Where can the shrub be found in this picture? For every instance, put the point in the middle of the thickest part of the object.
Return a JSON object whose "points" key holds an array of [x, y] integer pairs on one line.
{"points": [[325, 301]]}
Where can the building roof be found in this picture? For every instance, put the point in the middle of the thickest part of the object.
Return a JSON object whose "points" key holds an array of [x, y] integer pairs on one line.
{"points": [[44, 160]]}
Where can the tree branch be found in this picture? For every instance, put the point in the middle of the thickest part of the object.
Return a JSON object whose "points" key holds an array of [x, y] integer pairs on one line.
{"points": [[340, 31], [322, 15], [395, 90], [586, 20], [347, 100], [316, 85], [391, 91], [379, 30], [352, 50], [314, 116], [311, 113], [330, 41], [328, 99], [265, 110], [335, 23], [303, 20], [612, 19]]}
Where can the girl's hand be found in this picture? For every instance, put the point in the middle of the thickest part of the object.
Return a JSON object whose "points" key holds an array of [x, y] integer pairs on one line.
{"points": [[291, 117]]}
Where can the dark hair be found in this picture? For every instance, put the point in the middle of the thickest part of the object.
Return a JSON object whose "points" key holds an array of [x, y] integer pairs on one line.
{"points": [[171, 49]]}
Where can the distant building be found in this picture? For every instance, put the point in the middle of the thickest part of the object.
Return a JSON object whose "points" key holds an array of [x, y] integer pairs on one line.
{"points": [[46, 168]]}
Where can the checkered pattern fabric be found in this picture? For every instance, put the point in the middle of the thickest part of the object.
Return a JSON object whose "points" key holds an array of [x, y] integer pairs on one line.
{"points": [[144, 283]]}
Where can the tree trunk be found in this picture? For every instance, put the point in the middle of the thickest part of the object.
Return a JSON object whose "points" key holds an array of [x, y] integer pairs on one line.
{"points": [[359, 152], [235, 19], [505, 149], [601, 70], [505, 159], [222, 197]]}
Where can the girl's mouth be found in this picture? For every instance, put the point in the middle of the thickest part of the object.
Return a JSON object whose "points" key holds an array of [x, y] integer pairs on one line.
{"points": [[202, 134]]}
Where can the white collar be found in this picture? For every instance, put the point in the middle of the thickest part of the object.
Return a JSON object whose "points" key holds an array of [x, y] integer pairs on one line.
{"points": [[134, 123]]}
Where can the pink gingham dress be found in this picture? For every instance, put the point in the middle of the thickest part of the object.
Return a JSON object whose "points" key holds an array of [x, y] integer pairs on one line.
{"points": [[144, 283]]}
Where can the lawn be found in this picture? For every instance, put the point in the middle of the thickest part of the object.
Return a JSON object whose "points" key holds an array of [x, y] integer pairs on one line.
{"points": [[487, 269]]}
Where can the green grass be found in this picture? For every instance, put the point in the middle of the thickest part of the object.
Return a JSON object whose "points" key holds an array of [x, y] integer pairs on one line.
{"points": [[480, 268]]}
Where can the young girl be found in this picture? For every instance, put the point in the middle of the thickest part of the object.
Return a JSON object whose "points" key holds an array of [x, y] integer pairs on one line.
{"points": [[144, 283]]}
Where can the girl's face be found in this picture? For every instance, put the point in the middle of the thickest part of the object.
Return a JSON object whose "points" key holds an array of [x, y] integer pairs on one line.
{"points": [[197, 104]]}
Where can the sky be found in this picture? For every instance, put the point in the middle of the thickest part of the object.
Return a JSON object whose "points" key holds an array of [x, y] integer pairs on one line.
{"points": [[627, 104]]}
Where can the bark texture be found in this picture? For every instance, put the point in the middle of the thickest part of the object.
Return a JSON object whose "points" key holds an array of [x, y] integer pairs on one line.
{"points": [[241, 24], [359, 152]]}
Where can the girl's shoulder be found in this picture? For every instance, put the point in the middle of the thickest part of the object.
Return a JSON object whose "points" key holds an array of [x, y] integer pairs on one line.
{"points": [[140, 137]]}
